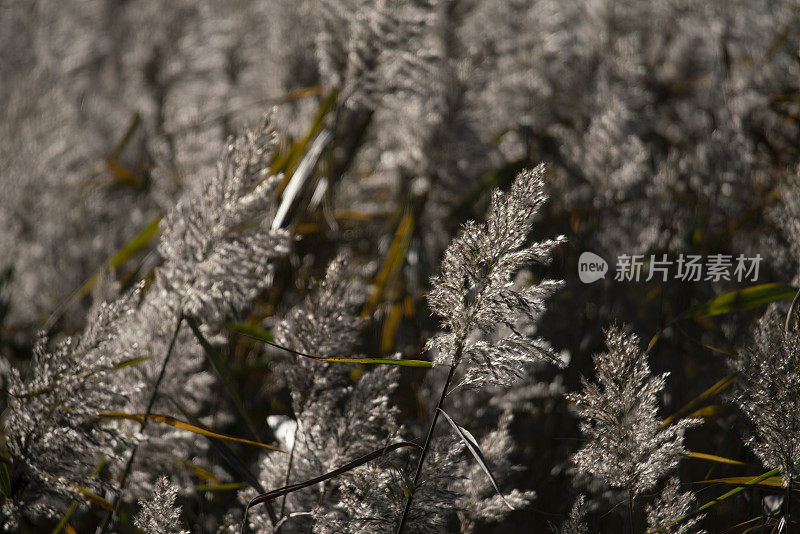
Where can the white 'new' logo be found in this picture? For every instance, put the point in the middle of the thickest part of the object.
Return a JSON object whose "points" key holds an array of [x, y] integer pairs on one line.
{"points": [[591, 267]]}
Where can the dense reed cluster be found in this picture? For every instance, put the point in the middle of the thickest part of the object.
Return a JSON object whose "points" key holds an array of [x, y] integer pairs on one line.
{"points": [[319, 266]]}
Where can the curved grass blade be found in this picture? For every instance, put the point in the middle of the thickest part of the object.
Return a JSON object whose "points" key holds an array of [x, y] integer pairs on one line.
{"points": [[266, 337], [298, 179], [751, 482], [274, 494], [224, 373], [183, 425], [472, 444], [382, 361], [743, 523], [790, 313], [231, 458], [259, 334]]}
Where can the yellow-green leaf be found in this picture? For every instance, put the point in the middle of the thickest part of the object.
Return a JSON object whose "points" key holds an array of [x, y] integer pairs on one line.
{"points": [[713, 390], [132, 361], [183, 425], [713, 458], [119, 258], [775, 481], [94, 498], [393, 263], [199, 471], [233, 486], [709, 411]]}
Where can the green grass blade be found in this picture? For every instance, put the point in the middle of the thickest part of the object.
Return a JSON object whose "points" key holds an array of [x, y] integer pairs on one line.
{"points": [[325, 107], [751, 482], [64, 520], [499, 177], [137, 243], [743, 299], [133, 123], [5, 480], [288, 160], [393, 263]]}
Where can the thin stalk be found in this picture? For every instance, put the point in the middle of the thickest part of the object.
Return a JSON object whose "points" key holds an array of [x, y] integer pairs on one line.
{"points": [[630, 510], [789, 314], [107, 520], [426, 447], [288, 474], [789, 507]]}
